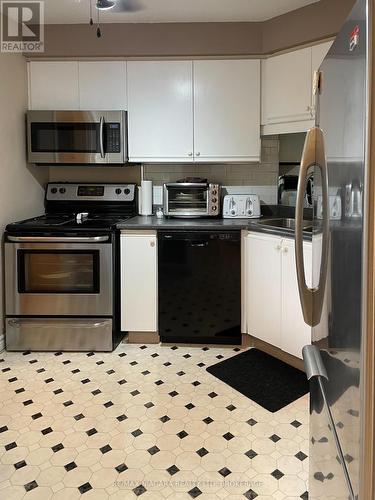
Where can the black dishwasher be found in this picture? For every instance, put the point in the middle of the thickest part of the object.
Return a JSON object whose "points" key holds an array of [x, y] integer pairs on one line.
{"points": [[200, 286]]}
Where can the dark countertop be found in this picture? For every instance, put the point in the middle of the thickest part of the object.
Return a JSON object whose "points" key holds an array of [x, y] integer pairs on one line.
{"points": [[215, 224]]}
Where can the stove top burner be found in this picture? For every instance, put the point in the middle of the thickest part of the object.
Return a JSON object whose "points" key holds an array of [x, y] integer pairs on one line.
{"points": [[66, 222]]}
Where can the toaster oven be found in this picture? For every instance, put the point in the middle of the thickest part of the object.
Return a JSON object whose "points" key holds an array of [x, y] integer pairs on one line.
{"points": [[191, 199]]}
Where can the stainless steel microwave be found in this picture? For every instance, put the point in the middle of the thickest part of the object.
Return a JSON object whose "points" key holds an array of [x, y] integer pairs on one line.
{"points": [[77, 137]]}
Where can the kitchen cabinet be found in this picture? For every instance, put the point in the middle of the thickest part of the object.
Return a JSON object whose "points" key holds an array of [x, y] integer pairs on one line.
{"points": [[139, 284], [160, 98], [86, 85], [287, 98], [273, 310], [194, 111], [102, 85], [53, 85], [227, 110], [295, 333], [263, 285]]}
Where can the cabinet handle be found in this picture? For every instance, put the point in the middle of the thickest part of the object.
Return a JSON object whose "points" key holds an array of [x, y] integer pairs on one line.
{"points": [[278, 247], [190, 153], [285, 249], [152, 244], [197, 153]]}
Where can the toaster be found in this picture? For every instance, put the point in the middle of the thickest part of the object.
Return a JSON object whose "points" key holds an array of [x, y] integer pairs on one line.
{"points": [[241, 206]]}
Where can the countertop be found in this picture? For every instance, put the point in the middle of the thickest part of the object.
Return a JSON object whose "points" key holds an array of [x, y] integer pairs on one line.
{"points": [[215, 224]]}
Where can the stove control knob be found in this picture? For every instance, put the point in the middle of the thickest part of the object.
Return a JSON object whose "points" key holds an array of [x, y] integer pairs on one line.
{"points": [[118, 191], [127, 191], [214, 192], [62, 190], [214, 209], [214, 200], [54, 190]]}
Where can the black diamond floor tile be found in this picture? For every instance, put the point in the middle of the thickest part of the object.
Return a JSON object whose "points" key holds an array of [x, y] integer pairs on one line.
{"points": [[172, 470], [84, 488], [139, 490], [70, 466], [153, 450], [225, 472], [202, 452], [195, 492], [31, 485], [121, 468]]}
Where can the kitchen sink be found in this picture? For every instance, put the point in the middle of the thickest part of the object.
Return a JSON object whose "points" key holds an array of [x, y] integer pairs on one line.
{"points": [[286, 223]]}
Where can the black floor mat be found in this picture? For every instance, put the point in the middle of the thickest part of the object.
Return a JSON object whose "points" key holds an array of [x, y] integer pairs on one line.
{"points": [[264, 379]]}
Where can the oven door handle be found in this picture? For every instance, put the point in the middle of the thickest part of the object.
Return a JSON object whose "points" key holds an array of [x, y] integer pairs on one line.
{"points": [[58, 239]]}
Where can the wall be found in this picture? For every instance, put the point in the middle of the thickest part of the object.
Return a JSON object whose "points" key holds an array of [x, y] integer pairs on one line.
{"points": [[21, 188], [261, 176], [308, 24]]}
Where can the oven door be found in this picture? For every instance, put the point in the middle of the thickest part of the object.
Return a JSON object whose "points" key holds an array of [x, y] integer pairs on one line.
{"points": [[76, 137], [186, 199], [67, 276]]}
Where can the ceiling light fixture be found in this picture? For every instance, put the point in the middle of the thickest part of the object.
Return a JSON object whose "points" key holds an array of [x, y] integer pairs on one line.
{"points": [[105, 4]]}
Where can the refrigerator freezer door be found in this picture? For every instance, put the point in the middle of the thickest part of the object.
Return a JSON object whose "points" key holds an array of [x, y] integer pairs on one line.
{"points": [[341, 110]]}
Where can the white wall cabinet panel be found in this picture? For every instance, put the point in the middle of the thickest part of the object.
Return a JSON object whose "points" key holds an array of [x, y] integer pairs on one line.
{"points": [[318, 53], [139, 297], [160, 103], [287, 98], [264, 287], [295, 333], [227, 110], [102, 85], [53, 85], [287, 87]]}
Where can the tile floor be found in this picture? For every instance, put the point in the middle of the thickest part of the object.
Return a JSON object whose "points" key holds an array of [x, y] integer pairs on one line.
{"points": [[143, 421]]}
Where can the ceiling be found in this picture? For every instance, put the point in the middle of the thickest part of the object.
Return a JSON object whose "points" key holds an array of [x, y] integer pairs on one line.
{"points": [[168, 11]]}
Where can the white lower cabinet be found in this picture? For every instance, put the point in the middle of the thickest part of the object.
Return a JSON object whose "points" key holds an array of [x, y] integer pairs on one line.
{"points": [[273, 310], [139, 284], [295, 333]]}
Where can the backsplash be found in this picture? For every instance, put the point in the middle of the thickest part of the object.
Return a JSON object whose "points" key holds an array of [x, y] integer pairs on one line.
{"points": [[259, 174], [262, 177]]}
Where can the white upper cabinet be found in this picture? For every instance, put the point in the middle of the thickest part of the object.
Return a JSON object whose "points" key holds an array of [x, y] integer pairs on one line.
{"points": [[96, 85], [227, 110], [102, 85], [160, 99], [287, 98], [287, 87], [53, 85]]}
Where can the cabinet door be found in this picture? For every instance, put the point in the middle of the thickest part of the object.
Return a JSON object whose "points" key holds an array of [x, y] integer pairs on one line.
{"points": [[139, 281], [102, 85], [318, 53], [53, 85], [286, 87], [263, 285], [295, 333], [227, 110], [160, 106]]}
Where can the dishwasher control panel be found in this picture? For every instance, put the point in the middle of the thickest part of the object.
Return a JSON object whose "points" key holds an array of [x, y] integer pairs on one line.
{"points": [[241, 206]]}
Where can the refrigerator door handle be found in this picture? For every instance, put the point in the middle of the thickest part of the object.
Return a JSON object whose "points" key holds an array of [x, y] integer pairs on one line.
{"points": [[315, 369], [313, 156]]}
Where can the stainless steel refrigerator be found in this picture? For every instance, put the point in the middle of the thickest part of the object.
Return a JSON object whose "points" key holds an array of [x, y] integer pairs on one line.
{"points": [[339, 307]]}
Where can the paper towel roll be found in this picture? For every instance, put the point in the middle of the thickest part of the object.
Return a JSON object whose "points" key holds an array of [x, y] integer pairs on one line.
{"points": [[145, 200]]}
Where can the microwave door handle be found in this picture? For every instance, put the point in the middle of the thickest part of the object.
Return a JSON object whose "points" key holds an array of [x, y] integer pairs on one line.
{"points": [[101, 137]]}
